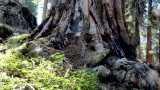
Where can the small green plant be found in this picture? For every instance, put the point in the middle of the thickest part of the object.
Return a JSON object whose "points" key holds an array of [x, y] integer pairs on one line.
{"points": [[57, 56]]}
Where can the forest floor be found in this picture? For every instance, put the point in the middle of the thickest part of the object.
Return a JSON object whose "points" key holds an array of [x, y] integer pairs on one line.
{"points": [[50, 72]]}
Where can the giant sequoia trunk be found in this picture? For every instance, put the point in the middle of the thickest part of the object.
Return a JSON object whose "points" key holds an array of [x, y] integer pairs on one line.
{"points": [[82, 27]]}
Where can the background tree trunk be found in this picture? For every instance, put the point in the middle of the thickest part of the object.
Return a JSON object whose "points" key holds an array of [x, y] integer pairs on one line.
{"points": [[45, 9], [149, 34], [159, 37], [137, 35], [137, 32], [87, 26], [159, 40]]}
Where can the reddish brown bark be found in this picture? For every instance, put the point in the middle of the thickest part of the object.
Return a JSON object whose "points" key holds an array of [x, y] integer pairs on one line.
{"points": [[149, 34], [45, 9]]}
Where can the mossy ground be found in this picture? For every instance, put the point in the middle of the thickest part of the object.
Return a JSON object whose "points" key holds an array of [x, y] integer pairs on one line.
{"points": [[15, 41]]}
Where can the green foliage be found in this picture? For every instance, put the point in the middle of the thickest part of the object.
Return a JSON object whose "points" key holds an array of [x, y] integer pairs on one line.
{"points": [[14, 41], [57, 56], [8, 83], [43, 74]]}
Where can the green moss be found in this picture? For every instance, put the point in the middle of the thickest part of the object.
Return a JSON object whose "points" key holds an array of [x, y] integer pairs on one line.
{"points": [[44, 41], [31, 46], [47, 43], [30, 49], [14, 41]]}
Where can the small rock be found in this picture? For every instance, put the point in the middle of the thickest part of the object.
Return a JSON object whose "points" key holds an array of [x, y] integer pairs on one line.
{"points": [[111, 61], [25, 87], [102, 71], [120, 75], [97, 57], [130, 76], [119, 63], [124, 64], [152, 78], [141, 82]]}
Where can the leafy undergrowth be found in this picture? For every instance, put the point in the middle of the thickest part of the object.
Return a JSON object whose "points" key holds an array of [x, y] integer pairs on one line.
{"points": [[17, 70]]}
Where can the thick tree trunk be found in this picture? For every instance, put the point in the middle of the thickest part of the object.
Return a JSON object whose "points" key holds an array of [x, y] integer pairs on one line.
{"points": [[45, 9], [149, 34], [87, 26]]}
